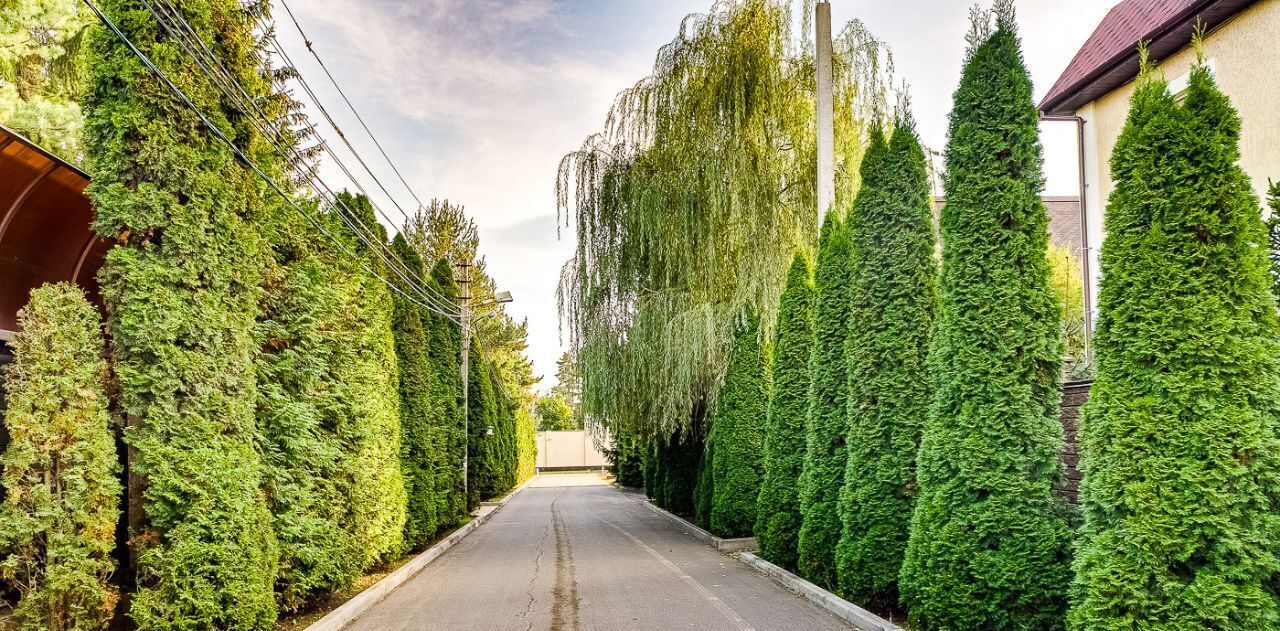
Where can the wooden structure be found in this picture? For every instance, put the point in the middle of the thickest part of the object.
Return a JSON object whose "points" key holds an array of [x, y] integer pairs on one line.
{"points": [[44, 227]]}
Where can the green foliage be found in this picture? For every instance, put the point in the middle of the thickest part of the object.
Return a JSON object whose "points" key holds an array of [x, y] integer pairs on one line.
{"points": [[822, 474], [555, 415], [678, 474], [43, 72], [1273, 234], [989, 546], [650, 461], [738, 430], [1179, 436], [778, 517], [627, 457], [182, 291], [368, 387], [421, 447], [305, 460], [58, 519], [705, 487], [669, 255], [1067, 281], [894, 299], [445, 353]]}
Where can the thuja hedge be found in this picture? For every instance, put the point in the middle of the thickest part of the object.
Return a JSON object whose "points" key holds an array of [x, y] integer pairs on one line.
{"points": [[989, 545], [421, 444], [677, 472], [894, 298], [824, 459], [777, 521], [306, 463], [446, 357], [778, 515], [1179, 442], [182, 291], [57, 523], [705, 487], [738, 431]]}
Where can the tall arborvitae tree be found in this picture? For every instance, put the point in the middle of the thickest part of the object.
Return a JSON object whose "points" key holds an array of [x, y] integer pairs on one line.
{"points": [[824, 456], [306, 469], [481, 411], [704, 489], [1273, 234], [420, 446], [738, 429], [57, 524], [989, 545], [182, 291], [446, 358], [1179, 444], [894, 299], [367, 386], [778, 516], [678, 472]]}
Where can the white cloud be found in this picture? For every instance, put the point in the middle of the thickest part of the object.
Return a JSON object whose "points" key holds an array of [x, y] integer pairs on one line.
{"points": [[477, 100]]}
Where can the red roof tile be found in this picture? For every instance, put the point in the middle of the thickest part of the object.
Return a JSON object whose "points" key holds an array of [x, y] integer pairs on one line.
{"points": [[1109, 58]]}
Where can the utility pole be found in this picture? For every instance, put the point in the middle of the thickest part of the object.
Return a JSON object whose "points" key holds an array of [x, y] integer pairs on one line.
{"points": [[464, 301], [826, 111]]}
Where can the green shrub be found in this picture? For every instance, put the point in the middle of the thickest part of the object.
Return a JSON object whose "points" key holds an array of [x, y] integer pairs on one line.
{"points": [[738, 430], [824, 459], [894, 301], [58, 520], [627, 457], [1179, 439], [420, 446], [446, 357], [678, 474], [650, 456], [704, 489], [304, 470], [1273, 234], [778, 517], [989, 546], [182, 291]]}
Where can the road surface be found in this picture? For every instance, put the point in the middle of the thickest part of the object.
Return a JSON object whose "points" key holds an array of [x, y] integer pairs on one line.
{"points": [[570, 553]]}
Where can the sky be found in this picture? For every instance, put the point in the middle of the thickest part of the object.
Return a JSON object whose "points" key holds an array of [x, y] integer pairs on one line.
{"points": [[477, 101]]}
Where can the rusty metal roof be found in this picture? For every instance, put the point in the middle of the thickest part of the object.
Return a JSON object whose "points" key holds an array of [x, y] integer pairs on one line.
{"points": [[44, 226], [1109, 58]]}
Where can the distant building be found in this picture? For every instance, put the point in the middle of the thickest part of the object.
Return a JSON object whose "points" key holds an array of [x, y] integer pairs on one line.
{"points": [[1242, 48]]}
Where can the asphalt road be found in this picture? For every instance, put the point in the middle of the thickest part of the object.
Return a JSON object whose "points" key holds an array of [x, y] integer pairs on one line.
{"points": [[570, 553]]}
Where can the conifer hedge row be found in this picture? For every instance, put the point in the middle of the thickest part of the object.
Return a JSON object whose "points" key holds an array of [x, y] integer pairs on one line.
{"points": [[738, 432]]}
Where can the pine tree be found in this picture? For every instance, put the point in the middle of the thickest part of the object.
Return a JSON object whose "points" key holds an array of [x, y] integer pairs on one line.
{"points": [[894, 300], [182, 292], [824, 460], [57, 523], [1179, 437], [778, 517], [989, 545], [420, 447]]}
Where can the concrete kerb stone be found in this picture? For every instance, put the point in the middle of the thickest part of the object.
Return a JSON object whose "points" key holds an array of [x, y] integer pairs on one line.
{"points": [[347, 612], [727, 546], [855, 615]]}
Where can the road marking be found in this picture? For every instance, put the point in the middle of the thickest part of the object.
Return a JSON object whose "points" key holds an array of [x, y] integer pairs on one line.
{"points": [[715, 601]]}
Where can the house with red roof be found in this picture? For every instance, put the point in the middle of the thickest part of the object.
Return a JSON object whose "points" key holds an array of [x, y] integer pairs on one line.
{"points": [[1242, 49]]}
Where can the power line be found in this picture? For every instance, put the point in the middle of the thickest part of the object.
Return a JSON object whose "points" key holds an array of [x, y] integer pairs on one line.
{"points": [[337, 87], [214, 69], [217, 132]]}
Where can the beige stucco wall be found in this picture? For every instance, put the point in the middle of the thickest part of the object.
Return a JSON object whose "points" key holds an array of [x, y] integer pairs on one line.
{"points": [[1245, 56], [558, 450]]}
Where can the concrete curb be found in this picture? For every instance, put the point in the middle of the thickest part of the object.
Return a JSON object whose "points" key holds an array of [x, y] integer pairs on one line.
{"points": [[347, 612], [727, 546], [855, 615]]}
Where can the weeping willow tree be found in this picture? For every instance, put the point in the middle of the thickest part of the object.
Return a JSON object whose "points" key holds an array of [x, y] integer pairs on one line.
{"points": [[691, 202]]}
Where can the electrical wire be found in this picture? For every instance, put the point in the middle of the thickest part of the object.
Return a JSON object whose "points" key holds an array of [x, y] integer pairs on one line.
{"points": [[213, 68], [217, 132]]}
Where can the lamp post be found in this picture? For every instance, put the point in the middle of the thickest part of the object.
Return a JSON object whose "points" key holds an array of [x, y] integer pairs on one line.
{"points": [[502, 297]]}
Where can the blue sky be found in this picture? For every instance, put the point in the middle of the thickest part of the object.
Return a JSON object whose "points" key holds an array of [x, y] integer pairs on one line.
{"points": [[477, 100]]}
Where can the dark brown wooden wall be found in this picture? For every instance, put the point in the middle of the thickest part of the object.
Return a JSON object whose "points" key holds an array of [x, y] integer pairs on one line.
{"points": [[1074, 394]]}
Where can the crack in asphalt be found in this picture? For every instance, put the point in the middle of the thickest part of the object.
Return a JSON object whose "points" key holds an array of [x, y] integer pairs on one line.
{"points": [[537, 562], [564, 611]]}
